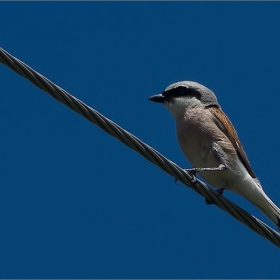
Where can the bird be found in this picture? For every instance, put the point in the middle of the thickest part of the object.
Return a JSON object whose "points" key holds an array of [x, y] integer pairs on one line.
{"points": [[209, 141]]}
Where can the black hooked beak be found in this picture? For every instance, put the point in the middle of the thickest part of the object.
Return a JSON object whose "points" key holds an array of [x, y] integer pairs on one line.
{"points": [[159, 98]]}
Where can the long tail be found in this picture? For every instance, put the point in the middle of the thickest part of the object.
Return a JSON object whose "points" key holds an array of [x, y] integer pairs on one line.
{"points": [[268, 208], [259, 198]]}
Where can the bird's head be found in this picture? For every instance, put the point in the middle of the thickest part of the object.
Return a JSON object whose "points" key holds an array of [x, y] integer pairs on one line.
{"points": [[184, 95]]}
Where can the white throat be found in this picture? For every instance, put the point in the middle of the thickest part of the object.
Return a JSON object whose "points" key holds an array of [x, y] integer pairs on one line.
{"points": [[179, 105]]}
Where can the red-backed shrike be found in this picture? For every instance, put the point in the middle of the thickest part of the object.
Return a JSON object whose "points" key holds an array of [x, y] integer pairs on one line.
{"points": [[210, 143]]}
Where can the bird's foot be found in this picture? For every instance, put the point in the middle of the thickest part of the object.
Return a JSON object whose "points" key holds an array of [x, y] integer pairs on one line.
{"points": [[192, 172], [219, 193]]}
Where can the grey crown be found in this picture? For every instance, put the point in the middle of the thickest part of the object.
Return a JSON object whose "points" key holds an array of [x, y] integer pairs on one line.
{"points": [[208, 97]]}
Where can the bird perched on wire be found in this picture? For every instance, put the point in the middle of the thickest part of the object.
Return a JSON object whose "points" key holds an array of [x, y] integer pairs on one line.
{"points": [[209, 141]]}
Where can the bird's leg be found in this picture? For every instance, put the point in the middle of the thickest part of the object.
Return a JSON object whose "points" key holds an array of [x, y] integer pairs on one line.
{"points": [[193, 171], [221, 167]]}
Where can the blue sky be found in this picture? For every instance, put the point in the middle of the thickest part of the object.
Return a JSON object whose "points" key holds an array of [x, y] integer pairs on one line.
{"points": [[77, 203]]}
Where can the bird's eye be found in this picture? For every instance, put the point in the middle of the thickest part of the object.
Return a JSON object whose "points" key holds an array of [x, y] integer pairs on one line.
{"points": [[180, 91]]}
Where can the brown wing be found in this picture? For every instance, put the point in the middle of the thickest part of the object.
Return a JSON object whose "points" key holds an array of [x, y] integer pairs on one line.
{"points": [[229, 130]]}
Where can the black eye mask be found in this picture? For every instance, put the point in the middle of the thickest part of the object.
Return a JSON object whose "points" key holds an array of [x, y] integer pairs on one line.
{"points": [[182, 91]]}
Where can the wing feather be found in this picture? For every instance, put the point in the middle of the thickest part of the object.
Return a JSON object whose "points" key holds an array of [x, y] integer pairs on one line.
{"points": [[228, 129]]}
